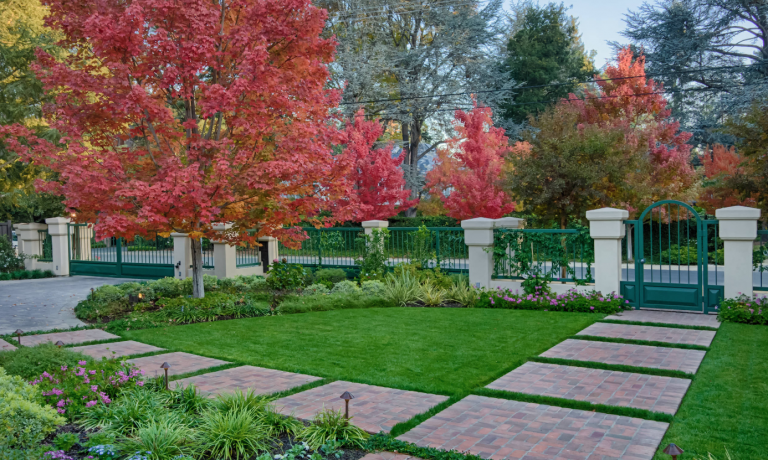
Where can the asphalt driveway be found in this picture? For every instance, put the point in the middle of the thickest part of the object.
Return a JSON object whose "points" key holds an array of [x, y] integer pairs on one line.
{"points": [[43, 304]]}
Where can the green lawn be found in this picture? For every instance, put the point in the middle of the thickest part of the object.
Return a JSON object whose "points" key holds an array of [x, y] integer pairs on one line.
{"points": [[435, 350], [727, 404]]}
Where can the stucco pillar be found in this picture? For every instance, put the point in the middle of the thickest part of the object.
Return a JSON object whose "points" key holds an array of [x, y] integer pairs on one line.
{"points": [[607, 229], [478, 236], [29, 242], [182, 255], [224, 255], [57, 228], [272, 250], [738, 230], [370, 225]]}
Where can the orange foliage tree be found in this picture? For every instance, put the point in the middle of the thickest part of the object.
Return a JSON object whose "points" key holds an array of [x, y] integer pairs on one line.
{"points": [[721, 164]]}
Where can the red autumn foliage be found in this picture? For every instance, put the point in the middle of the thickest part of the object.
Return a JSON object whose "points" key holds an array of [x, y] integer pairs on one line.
{"points": [[721, 164], [468, 172], [377, 179]]}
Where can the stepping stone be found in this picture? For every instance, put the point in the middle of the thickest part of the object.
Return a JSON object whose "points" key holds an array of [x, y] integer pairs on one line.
{"points": [[623, 389], [497, 429], [5, 346], [374, 409], [668, 317], [262, 381], [650, 333], [389, 456], [676, 359], [116, 349], [180, 362], [69, 338]]}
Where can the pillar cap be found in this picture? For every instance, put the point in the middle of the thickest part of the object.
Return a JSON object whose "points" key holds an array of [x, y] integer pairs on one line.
{"points": [[30, 226], [375, 223], [58, 220], [478, 223], [607, 214], [737, 213], [221, 227], [509, 222]]}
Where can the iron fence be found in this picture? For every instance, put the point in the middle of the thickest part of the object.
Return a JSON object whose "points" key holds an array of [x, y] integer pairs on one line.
{"points": [[760, 262], [46, 246]]}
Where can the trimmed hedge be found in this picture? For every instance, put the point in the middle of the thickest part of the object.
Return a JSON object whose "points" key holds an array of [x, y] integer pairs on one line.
{"points": [[26, 275]]}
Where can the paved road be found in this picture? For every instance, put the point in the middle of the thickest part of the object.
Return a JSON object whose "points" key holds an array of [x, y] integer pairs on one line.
{"points": [[44, 304]]}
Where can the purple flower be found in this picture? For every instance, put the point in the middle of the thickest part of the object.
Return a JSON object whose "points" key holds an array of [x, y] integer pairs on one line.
{"points": [[61, 411], [61, 403], [591, 308], [82, 363], [90, 403], [94, 388]]}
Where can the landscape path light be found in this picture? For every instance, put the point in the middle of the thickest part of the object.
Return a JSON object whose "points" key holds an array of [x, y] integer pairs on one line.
{"points": [[59, 344], [18, 335], [346, 397], [165, 367], [673, 450]]}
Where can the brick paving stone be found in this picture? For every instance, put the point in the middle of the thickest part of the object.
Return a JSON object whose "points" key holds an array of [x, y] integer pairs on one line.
{"points": [[498, 429], [668, 317], [374, 409], [650, 333], [262, 381], [116, 349], [69, 338], [389, 456], [5, 346], [598, 386], [180, 362], [630, 355]]}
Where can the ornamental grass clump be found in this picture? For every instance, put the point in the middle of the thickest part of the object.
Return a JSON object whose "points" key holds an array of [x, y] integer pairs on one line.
{"points": [[572, 301], [330, 425], [234, 434], [744, 309]]}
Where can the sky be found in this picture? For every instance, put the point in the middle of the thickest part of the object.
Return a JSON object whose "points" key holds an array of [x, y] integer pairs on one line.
{"points": [[600, 21]]}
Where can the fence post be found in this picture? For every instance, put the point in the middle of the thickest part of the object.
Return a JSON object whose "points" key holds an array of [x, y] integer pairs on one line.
{"points": [[370, 225], [182, 255], [738, 230], [606, 227], [59, 231], [478, 235], [224, 255], [29, 242]]}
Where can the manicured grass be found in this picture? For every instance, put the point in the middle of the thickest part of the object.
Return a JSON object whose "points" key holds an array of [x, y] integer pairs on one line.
{"points": [[726, 407], [434, 350]]}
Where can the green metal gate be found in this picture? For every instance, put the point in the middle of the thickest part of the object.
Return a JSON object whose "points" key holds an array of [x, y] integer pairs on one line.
{"points": [[115, 257], [672, 259]]}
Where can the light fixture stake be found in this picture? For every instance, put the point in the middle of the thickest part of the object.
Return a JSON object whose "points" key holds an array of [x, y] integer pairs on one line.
{"points": [[165, 367]]}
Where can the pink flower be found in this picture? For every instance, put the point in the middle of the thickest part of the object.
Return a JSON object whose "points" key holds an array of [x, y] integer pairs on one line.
{"points": [[63, 368], [94, 388], [591, 308], [61, 411], [92, 372], [82, 363], [61, 403], [140, 383], [90, 403]]}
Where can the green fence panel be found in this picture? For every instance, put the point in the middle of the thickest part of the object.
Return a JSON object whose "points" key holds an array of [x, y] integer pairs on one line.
{"points": [[46, 246]]}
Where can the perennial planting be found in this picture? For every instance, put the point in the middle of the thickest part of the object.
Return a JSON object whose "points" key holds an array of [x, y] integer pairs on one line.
{"points": [[744, 309], [541, 299]]}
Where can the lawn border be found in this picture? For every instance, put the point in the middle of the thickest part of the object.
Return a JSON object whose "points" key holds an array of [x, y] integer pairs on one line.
{"points": [[651, 343], [641, 323], [614, 367]]}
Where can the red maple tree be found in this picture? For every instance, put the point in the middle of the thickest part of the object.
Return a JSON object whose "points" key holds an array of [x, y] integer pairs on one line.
{"points": [[178, 115], [720, 165], [377, 179], [468, 171]]}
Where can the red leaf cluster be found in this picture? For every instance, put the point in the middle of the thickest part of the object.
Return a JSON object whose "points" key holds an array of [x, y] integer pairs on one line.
{"points": [[720, 165]]}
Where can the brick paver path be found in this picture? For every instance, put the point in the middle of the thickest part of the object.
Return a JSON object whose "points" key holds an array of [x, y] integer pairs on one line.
{"points": [[630, 355], [116, 349], [624, 389], [650, 333], [5, 346], [497, 429], [651, 316], [180, 362], [389, 456], [374, 409], [262, 381], [69, 338]]}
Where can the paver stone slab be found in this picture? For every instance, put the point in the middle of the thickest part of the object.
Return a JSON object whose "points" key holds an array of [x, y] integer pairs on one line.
{"points": [[650, 333], [69, 338], [180, 363], [668, 317], [116, 349], [262, 381]]}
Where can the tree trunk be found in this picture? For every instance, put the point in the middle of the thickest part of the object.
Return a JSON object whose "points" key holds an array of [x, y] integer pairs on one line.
{"points": [[412, 138], [198, 290]]}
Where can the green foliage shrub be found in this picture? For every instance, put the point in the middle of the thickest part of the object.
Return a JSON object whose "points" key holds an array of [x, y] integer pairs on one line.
{"points": [[328, 302], [373, 258], [26, 275], [24, 422], [435, 276], [145, 289], [168, 287], [330, 425], [286, 277], [744, 309], [431, 295], [108, 293], [573, 301], [346, 287], [329, 276], [92, 310], [30, 362], [373, 288], [9, 261], [65, 441], [238, 284], [165, 438], [402, 287], [316, 289]]}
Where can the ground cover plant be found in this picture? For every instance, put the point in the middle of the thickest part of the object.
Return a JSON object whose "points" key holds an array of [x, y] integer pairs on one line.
{"points": [[744, 309], [26, 275], [434, 350], [540, 299]]}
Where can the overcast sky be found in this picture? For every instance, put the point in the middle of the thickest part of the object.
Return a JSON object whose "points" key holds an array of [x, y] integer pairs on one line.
{"points": [[600, 21]]}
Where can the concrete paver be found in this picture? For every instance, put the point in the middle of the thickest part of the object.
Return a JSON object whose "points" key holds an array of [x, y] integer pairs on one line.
{"points": [[374, 408], [668, 317], [180, 363], [598, 386], [389, 456], [629, 355], [5, 346], [499, 429], [44, 304], [650, 333], [258, 379], [69, 338], [116, 349]]}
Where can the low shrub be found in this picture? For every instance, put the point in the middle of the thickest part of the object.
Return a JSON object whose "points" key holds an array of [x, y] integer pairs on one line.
{"points": [[9, 261], [26, 275], [165, 438], [30, 362], [346, 287], [330, 425], [240, 284], [435, 276], [315, 289], [145, 289], [574, 301], [168, 287], [108, 293], [137, 405], [24, 422], [463, 293], [286, 277], [329, 276], [327, 302], [744, 309], [233, 434], [373, 288], [93, 310], [402, 287], [65, 441]]}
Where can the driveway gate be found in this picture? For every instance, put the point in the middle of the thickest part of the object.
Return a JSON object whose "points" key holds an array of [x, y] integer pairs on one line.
{"points": [[672, 259]]}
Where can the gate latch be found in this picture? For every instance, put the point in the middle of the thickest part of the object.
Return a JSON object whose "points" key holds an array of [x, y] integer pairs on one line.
{"points": [[642, 261]]}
